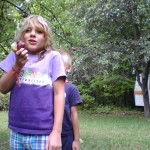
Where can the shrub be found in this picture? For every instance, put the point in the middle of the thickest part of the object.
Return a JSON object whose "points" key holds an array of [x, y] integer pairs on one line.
{"points": [[4, 102], [110, 90], [88, 100]]}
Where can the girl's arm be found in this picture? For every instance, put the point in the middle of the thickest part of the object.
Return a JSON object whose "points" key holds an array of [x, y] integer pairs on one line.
{"points": [[54, 141], [75, 122], [8, 80]]}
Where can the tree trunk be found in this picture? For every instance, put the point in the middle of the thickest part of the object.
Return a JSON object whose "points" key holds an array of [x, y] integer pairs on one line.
{"points": [[146, 67], [145, 77], [146, 105]]}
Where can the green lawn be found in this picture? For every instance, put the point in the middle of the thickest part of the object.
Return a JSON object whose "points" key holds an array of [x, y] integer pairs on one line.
{"points": [[4, 132], [102, 132], [114, 132]]}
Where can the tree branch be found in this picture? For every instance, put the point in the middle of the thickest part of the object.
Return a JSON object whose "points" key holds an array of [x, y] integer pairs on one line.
{"points": [[6, 52], [15, 6], [53, 17]]}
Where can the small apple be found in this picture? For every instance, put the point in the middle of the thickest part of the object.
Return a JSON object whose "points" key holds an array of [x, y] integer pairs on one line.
{"points": [[17, 45], [14, 46], [20, 44]]}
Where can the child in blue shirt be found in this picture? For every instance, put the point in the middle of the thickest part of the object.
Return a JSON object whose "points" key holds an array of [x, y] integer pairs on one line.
{"points": [[70, 130]]}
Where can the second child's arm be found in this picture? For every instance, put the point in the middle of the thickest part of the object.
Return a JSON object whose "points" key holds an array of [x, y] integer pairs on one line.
{"points": [[75, 122]]}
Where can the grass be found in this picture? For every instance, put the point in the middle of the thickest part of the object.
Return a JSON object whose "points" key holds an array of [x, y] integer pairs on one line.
{"points": [[114, 132], [4, 131], [102, 131]]}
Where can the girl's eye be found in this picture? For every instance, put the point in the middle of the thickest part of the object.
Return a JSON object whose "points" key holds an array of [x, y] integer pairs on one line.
{"points": [[39, 31], [28, 30]]}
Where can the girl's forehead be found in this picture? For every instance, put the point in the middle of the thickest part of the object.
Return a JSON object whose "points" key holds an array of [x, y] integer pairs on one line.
{"points": [[34, 24]]}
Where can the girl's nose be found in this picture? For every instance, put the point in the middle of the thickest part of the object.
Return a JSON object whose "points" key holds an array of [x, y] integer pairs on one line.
{"points": [[33, 33]]}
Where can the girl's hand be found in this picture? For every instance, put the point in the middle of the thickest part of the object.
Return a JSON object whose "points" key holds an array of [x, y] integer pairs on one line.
{"points": [[54, 141], [21, 58]]}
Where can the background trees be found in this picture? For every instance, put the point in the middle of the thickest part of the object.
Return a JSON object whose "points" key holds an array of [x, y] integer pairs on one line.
{"points": [[121, 33], [108, 39]]}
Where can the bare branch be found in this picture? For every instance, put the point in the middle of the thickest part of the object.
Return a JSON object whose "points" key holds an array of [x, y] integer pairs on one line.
{"points": [[6, 52]]}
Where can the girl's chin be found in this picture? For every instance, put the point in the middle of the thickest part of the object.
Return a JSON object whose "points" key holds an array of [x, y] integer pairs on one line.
{"points": [[34, 51]]}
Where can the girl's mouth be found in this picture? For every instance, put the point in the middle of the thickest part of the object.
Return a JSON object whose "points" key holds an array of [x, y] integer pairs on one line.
{"points": [[32, 42]]}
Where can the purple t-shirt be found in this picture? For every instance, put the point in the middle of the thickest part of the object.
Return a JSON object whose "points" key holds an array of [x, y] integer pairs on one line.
{"points": [[73, 98], [31, 105]]}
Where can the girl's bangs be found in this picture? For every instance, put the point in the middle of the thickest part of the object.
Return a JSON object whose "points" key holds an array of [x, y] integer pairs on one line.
{"points": [[35, 23]]}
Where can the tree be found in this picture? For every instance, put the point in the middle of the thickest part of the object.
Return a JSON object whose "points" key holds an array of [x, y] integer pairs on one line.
{"points": [[13, 12], [105, 37], [119, 30]]}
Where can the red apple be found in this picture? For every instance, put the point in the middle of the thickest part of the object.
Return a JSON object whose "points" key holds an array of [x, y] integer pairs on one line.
{"points": [[20, 44]]}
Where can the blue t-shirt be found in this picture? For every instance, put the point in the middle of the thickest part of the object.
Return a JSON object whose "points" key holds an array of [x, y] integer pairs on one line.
{"points": [[73, 98], [31, 109]]}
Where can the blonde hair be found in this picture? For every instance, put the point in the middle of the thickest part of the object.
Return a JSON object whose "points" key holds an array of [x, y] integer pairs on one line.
{"points": [[40, 23], [66, 57]]}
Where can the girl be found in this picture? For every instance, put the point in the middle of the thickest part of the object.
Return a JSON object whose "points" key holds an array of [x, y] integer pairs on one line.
{"points": [[35, 77]]}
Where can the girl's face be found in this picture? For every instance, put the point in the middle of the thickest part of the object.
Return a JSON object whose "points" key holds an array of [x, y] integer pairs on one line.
{"points": [[34, 39]]}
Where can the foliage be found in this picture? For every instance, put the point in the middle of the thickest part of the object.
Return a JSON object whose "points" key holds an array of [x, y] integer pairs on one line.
{"points": [[4, 102], [88, 101], [115, 31], [12, 13], [107, 90], [113, 110], [110, 90], [118, 31], [108, 40]]}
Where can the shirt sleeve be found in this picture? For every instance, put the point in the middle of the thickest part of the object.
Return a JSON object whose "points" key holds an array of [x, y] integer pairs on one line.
{"points": [[74, 97], [58, 69], [7, 64]]}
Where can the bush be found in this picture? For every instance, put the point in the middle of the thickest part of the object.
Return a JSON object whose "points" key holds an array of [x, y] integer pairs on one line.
{"points": [[111, 90], [4, 102], [88, 101]]}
